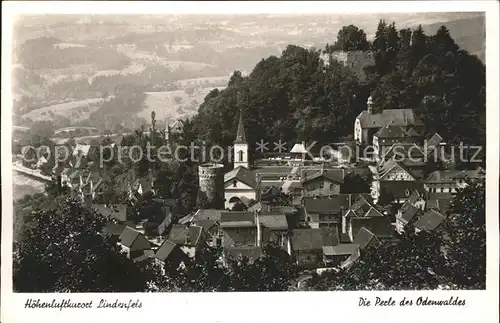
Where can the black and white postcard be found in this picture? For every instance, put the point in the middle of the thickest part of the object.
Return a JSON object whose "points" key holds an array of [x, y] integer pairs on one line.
{"points": [[250, 161]]}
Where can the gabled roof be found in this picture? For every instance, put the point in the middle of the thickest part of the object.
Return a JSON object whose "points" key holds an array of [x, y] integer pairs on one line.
{"points": [[407, 212], [206, 224], [116, 211], [274, 221], [430, 221], [299, 149], [364, 238], [340, 249], [361, 206], [230, 216], [185, 236], [243, 175], [133, 238], [389, 165], [165, 250], [389, 131], [327, 204], [312, 239], [414, 197], [394, 117], [373, 213], [208, 214], [334, 175]]}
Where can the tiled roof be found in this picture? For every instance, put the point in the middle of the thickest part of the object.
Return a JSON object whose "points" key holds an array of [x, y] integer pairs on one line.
{"points": [[208, 214], [334, 175], [394, 117], [441, 205], [433, 142], [407, 211], [373, 213], [430, 221], [256, 207], [364, 238], [340, 249], [299, 149], [238, 224], [229, 216], [206, 224], [361, 206], [115, 229], [327, 204], [243, 175], [452, 175], [130, 237], [401, 189], [274, 222], [311, 239], [389, 165], [389, 131], [186, 236], [165, 250], [274, 170]]}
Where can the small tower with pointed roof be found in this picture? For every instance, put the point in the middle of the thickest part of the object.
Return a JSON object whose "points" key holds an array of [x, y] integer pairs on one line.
{"points": [[240, 146]]}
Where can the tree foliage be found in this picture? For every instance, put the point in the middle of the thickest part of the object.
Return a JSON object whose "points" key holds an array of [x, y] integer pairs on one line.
{"points": [[350, 38], [63, 250]]}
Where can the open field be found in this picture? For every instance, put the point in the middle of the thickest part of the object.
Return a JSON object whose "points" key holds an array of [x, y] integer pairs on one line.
{"points": [[75, 111], [173, 104]]}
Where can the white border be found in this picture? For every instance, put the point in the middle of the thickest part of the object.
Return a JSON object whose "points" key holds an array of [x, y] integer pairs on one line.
{"points": [[249, 307]]}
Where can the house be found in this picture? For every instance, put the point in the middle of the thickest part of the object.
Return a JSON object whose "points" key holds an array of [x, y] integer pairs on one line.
{"points": [[117, 212], [191, 240], [240, 229], [326, 211], [449, 181], [322, 182], [366, 239], [406, 214], [240, 185], [439, 202], [307, 245], [213, 231], [393, 182], [169, 256], [367, 123], [114, 229], [274, 228], [298, 154], [390, 135], [133, 242], [29, 156], [380, 225], [430, 221], [335, 255]]}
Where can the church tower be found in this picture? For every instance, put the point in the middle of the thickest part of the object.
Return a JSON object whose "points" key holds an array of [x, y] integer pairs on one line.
{"points": [[240, 146]]}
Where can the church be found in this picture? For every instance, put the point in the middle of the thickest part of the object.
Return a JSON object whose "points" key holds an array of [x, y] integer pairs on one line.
{"points": [[240, 184]]}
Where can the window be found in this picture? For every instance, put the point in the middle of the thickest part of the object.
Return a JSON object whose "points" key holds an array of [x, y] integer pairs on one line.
{"points": [[237, 230], [407, 192], [235, 183]]}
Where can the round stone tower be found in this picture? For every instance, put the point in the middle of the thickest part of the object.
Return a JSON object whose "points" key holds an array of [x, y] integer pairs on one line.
{"points": [[211, 179]]}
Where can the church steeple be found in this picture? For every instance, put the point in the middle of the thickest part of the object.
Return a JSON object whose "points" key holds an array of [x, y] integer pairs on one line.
{"points": [[240, 146], [240, 134]]}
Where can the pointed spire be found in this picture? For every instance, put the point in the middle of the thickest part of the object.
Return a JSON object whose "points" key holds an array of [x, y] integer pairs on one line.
{"points": [[240, 134]]}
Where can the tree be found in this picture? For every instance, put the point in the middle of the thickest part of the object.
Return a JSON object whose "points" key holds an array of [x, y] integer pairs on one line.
{"points": [[355, 183], [415, 262], [63, 250], [466, 240], [239, 206], [351, 38]]}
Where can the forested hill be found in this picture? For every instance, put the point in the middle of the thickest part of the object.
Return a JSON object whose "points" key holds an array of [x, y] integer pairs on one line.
{"points": [[292, 97]]}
